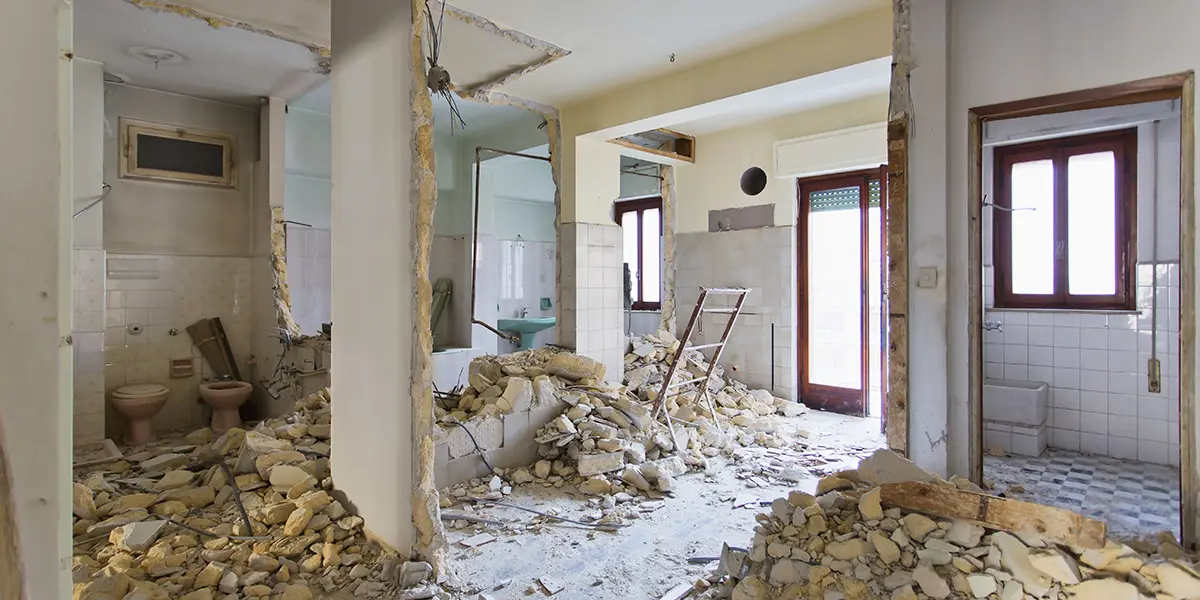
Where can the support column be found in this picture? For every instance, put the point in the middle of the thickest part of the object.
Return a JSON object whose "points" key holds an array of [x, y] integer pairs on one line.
{"points": [[666, 189], [380, 370], [591, 255], [35, 265]]}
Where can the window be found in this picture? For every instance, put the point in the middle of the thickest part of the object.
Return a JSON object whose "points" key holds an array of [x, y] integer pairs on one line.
{"points": [[1065, 223], [641, 231], [166, 152]]}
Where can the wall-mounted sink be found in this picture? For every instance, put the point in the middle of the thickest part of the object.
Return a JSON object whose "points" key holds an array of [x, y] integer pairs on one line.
{"points": [[527, 328]]}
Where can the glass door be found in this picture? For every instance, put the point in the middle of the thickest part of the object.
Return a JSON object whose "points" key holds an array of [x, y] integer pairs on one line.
{"points": [[841, 253]]}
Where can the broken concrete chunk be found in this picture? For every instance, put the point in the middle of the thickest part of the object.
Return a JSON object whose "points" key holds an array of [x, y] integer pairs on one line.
{"points": [[575, 367], [1178, 582], [164, 462], [519, 394], [1108, 589], [931, 583], [918, 526], [1057, 565], [136, 537], [868, 506], [885, 466], [595, 464], [255, 445]]}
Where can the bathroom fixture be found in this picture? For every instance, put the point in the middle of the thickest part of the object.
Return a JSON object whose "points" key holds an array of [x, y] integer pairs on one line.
{"points": [[993, 326], [182, 368], [138, 403], [225, 398], [1014, 416], [524, 312], [526, 328]]}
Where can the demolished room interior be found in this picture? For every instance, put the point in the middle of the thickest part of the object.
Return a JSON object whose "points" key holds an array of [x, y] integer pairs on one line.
{"points": [[849, 324]]}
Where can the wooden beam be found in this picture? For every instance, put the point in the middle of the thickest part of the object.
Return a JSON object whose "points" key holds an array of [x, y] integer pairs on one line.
{"points": [[655, 151], [1054, 524], [11, 578], [896, 429]]}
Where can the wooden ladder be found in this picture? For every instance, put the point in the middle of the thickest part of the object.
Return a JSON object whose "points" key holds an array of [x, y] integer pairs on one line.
{"points": [[661, 401]]}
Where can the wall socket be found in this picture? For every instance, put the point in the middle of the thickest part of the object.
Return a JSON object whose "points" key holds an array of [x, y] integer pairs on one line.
{"points": [[927, 277]]}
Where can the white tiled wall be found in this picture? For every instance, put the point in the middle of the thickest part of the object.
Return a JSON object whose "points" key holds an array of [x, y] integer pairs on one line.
{"points": [[186, 289], [308, 260], [88, 343], [1096, 366], [761, 259], [592, 304], [536, 281]]}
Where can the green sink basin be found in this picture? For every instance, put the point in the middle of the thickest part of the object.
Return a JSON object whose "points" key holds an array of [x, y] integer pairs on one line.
{"points": [[527, 328]]}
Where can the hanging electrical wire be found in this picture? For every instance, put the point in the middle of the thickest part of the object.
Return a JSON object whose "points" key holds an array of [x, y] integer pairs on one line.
{"points": [[438, 79]]}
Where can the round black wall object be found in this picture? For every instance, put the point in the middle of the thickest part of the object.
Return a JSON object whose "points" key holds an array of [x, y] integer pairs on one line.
{"points": [[754, 181]]}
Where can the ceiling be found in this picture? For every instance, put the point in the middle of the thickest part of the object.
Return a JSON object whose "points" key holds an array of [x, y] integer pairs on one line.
{"points": [[479, 117], [870, 78], [617, 42], [228, 63], [611, 43]]}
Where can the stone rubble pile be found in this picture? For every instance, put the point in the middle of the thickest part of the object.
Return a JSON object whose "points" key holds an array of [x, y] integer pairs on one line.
{"points": [[502, 384], [842, 544], [162, 523], [608, 436]]}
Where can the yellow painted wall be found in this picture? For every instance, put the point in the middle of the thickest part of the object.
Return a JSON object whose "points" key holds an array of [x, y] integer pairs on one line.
{"points": [[713, 182]]}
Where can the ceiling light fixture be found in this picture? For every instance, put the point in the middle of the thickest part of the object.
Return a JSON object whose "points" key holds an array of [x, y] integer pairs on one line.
{"points": [[158, 56]]}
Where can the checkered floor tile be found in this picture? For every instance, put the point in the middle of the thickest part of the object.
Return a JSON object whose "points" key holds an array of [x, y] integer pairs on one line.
{"points": [[1136, 499]]}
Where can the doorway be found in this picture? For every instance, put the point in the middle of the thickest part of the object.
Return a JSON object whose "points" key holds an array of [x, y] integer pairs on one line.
{"points": [[842, 247]]}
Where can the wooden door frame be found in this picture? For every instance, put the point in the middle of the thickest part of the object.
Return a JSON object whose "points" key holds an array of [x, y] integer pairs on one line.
{"points": [[1179, 86], [822, 183]]}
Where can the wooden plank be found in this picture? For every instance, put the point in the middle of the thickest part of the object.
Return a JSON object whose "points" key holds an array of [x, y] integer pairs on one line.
{"points": [[1053, 524], [975, 297]]}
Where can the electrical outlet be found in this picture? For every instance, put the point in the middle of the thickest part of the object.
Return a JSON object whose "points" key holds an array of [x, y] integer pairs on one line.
{"points": [[927, 277]]}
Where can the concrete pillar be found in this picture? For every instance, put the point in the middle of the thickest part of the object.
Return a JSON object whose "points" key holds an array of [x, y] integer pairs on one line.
{"points": [[590, 250], [35, 266], [373, 261]]}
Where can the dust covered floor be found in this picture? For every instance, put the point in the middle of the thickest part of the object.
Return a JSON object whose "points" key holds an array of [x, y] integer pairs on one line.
{"points": [[1135, 499], [650, 556]]}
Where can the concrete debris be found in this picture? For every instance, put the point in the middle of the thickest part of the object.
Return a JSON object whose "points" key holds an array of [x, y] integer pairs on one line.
{"points": [[300, 544], [859, 553]]}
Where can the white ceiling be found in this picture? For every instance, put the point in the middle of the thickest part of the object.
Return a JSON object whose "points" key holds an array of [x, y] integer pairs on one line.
{"points": [[617, 42], [612, 42], [479, 117], [870, 78], [228, 63]]}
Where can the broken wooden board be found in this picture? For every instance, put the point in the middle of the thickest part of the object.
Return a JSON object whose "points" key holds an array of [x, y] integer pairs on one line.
{"points": [[1054, 524]]}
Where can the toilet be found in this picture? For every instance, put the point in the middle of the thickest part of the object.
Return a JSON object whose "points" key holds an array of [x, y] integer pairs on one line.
{"points": [[138, 404], [225, 397]]}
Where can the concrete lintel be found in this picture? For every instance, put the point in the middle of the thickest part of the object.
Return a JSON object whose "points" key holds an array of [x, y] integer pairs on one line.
{"points": [[552, 52]]}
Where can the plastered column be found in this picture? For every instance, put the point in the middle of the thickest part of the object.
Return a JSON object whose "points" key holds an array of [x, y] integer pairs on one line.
{"points": [[35, 309], [372, 270]]}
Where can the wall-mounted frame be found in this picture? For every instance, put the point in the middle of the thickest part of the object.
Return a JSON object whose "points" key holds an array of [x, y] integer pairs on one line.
{"points": [[174, 153]]}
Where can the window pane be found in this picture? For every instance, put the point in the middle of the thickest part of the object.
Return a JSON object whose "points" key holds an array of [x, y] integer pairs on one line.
{"points": [[630, 244], [1032, 185], [835, 295], [651, 263], [1092, 224]]}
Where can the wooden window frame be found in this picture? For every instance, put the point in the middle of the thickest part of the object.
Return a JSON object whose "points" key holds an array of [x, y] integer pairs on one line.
{"points": [[1123, 144], [640, 206], [130, 129]]}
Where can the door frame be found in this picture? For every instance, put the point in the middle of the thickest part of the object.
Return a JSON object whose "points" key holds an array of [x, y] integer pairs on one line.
{"points": [[806, 185], [1178, 86]]}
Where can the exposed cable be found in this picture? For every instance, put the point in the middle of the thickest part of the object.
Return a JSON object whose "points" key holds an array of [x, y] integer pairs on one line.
{"points": [[600, 526]]}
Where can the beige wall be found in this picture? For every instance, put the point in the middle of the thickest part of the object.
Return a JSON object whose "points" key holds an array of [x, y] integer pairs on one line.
{"points": [[35, 158], [712, 183], [88, 152], [174, 218]]}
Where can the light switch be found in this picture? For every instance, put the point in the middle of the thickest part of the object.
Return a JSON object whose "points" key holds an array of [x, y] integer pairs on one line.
{"points": [[927, 277]]}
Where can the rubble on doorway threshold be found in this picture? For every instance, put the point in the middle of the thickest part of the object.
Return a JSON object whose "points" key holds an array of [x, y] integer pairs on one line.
{"points": [[167, 521], [891, 531]]}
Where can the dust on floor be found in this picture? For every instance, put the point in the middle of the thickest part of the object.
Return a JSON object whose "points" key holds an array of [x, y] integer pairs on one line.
{"points": [[649, 557]]}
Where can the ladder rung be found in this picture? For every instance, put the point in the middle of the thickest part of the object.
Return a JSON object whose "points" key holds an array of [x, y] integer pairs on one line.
{"points": [[726, 290], [706, 346], [686, 382], [722, 311]]}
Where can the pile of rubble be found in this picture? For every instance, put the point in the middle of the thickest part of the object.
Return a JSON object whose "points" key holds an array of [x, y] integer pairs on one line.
{"points": [[608, 433], [502, 384], [848, 542], [245, 515]]}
